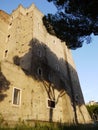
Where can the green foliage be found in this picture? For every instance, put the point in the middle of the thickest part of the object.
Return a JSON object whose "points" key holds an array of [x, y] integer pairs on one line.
{"points": [[22, 125], [79, 127], [92, 109], [74, 21]]}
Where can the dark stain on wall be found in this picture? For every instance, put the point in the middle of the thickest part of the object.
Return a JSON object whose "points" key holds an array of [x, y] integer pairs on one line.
{"points": [[4, 86], [52, 77]]}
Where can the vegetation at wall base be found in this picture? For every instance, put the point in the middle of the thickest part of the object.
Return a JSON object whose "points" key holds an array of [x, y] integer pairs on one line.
{"points": [[52, 127], [93, 111], [22, 125]]}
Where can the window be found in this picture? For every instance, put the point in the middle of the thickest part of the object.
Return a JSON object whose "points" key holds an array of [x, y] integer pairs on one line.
{"points": [[16, 96], [39, 71], [10, 24], [51, 103], [77, 98], [6, 51], [8, 36]]}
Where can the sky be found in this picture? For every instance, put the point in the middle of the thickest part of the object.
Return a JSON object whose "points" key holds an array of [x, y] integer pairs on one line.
{"points": [[85, 58]]}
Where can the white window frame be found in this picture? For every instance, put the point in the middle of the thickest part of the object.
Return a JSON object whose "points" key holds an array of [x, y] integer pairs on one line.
{"points": [[20, 91]]}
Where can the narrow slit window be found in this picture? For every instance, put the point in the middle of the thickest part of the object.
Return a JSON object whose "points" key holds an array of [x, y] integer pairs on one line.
{"points": [[16, 96], [77, 98], [6, 51], [39, 71]]}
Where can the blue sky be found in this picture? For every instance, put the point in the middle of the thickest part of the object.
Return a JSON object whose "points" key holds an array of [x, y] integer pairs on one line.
{"points": [[85, 58]]}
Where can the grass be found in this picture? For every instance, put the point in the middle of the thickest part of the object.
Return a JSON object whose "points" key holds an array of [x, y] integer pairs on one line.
{"points": [[22, 125], [51, 127]]}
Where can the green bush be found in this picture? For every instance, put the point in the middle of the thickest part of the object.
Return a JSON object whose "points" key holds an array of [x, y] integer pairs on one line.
{"points": [[93, 111]]}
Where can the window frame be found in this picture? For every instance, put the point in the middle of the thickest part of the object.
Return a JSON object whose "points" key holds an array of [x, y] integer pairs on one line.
{"points": [[19, 96], [51, 106]]}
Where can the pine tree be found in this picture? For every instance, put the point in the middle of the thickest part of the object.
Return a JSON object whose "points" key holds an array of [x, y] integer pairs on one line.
{"points": [[74, 21]]}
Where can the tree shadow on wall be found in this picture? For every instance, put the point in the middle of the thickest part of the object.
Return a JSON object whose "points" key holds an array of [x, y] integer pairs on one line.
{"points": [[4, 86], [43, 65]]}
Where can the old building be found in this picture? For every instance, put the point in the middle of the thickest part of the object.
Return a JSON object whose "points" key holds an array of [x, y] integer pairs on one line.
{"points": [[38, 79]]}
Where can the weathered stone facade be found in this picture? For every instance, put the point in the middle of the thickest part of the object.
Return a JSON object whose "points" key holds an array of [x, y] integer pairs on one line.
{"points": [[38, 79]]}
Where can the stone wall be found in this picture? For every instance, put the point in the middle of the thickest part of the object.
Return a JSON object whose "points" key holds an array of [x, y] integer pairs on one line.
{"points": [[43, 82]]}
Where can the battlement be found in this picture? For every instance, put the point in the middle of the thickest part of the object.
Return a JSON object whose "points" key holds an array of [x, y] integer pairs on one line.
{"points": [[24, 11]]}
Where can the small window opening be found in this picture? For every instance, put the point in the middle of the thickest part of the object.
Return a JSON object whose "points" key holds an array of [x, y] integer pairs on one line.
{"points": [[6, 51], [77, 98], [16, 96], [51, 103], [10, 24], [8, 36], [39, 71]]}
